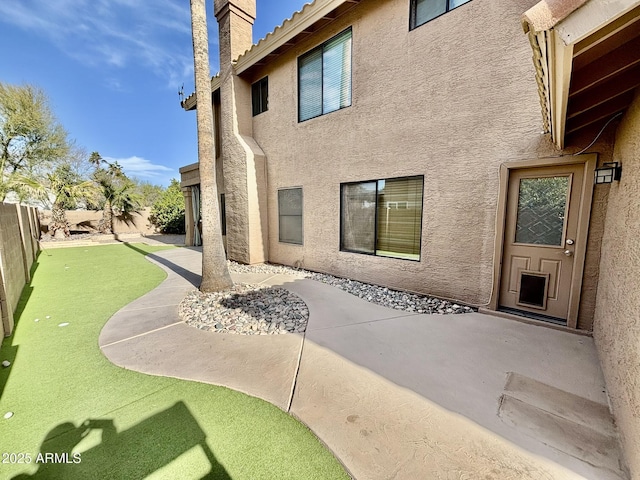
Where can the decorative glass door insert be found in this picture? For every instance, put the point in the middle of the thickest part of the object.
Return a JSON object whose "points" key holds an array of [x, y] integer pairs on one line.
{"points": [[542, 210]]}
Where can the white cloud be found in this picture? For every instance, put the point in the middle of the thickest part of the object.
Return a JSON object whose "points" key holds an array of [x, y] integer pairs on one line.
{"points": [[142, 168], [113, 34]]}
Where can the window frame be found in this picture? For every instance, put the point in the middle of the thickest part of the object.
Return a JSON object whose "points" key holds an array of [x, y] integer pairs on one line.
{"points": [[223, 215], [413, 10], [322, 92], [375, 226], [258, 84], [301, 216]]}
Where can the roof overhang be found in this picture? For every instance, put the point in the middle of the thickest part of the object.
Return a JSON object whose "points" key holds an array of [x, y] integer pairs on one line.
{"points": [[313, 17], [307, 21], [587, 59], [190, 103]]}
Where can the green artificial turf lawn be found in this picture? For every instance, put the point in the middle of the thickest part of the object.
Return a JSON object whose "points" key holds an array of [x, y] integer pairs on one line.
{"points": [[66, 397]]}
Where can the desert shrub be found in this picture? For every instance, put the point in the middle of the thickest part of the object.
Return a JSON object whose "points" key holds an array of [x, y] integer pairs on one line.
{"points": [[167, 213]]}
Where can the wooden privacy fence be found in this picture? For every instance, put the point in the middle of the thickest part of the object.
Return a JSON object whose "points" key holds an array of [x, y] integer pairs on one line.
{"points": [[19, 247]]}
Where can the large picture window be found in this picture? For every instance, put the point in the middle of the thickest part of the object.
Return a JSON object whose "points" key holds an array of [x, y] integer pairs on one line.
{"points": [[382, 217], [423, 11], [290, 215], [324, 78]]}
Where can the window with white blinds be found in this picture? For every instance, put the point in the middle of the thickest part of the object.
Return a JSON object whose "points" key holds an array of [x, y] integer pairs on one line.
{"points": [[324, 78], [382, 217], [423, 11]]}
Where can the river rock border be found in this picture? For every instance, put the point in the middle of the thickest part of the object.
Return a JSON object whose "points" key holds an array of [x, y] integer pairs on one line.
{"points": [[246, 310], [386, 297], [249, 309]]}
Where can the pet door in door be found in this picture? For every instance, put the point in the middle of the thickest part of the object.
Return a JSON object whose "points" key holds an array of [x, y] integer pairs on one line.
{"points": [[532, 289]]}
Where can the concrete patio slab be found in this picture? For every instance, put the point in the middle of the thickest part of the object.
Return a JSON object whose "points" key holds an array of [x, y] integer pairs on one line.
{"points": [[330, 307], [394, 395], [238, 362], [165, 295], [180, 268], [459, 363], [133, 322], [380, 430], [450, 358]]}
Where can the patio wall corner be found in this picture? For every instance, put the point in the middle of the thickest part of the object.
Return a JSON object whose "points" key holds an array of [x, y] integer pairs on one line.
{"points": [[617, 324]]}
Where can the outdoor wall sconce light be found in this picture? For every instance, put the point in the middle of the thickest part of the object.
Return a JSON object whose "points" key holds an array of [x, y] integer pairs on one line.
{"points": [[608, 172]]}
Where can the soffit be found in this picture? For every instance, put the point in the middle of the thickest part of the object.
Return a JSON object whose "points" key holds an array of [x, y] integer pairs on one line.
{"points": [[313, 17], [587, 62]]}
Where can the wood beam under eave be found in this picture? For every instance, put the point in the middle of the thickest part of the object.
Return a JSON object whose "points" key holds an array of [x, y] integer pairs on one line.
{"points": [[629, 21], [613, 42], [581, 138], [603, 91], [606, 110], [620, 59]]}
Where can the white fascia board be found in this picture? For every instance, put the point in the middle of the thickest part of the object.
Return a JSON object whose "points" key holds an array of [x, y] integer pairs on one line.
{"points": [[591, 17], [310, 14], [560, 64]]}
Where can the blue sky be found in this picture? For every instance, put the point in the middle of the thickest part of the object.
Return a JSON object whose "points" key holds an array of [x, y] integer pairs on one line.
{"points": [[112, 70]]}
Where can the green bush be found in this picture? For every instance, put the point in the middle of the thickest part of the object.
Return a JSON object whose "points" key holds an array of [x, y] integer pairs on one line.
{"points": [[167, 213]]}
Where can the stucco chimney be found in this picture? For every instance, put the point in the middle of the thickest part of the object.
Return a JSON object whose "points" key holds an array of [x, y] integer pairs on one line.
{"points": [[243, 161], [235, 24]]}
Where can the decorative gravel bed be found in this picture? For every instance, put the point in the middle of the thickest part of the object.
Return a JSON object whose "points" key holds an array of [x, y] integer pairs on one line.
{"points": [[74, 236], [246, 310], [263, 310]]}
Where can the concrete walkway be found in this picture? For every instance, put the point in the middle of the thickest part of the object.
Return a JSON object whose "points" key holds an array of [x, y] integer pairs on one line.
{"points": [[393, 395]]}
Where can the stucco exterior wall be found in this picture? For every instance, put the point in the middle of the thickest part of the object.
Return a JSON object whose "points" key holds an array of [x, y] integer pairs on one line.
{"points": [[87, 220], [450, 100], [604, 148], [617, 318], [189, 175]]}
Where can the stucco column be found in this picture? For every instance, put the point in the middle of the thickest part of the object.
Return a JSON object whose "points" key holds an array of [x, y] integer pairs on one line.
{"points": [[244, 162], [188, 216]]}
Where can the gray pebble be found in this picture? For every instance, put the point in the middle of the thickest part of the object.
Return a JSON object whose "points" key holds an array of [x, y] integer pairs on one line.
{"points": [[264, 310]]}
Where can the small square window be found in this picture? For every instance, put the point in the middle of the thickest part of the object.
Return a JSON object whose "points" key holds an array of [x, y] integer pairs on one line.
{"points": [[423, 11], [260, 96]]}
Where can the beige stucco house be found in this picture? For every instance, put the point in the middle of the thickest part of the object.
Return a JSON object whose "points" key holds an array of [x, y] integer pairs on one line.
{"points": [[448, 147]]}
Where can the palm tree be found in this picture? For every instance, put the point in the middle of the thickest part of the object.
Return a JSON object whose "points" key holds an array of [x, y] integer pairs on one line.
{"points": [[95, 159], [215, 274], [117, 189], [61, 188], [67, 187]]}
